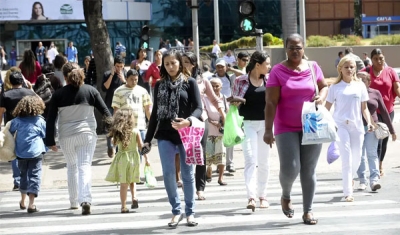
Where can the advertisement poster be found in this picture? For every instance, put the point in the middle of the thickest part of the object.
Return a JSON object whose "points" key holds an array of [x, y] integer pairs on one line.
{"points": [[28, 10]]}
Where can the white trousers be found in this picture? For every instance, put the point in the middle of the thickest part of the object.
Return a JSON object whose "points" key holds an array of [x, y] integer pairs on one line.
{"points": [[78, 152], [350, 148], [256, 153]]}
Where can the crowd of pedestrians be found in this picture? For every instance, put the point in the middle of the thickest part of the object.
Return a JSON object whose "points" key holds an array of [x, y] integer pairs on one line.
{"points": [[154, 100]]}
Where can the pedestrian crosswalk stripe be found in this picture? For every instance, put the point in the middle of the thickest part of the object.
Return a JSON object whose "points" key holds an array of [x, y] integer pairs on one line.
{"points": [[216, 220]]}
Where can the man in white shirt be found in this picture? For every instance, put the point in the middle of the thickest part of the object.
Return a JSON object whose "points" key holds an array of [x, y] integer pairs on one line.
{"points": [[215, 54], [367, 60], [229, 58], [51, 54]]}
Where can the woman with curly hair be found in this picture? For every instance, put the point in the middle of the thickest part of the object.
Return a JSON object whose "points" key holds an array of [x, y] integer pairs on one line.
{"points": [[73, 105], [30, 68], [125, 166], [29, 147]]}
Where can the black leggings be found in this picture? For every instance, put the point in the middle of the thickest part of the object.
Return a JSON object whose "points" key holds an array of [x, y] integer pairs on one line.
{"points": [[383, 143], [201, 170]]}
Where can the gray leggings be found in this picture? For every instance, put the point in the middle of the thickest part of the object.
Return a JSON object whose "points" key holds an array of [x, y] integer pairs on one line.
{"points": [[294, 159]]}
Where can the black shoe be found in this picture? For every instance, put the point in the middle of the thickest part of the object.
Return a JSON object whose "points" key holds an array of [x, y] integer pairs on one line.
{"points": [[230, 169], [85, 208], [15, 188]]}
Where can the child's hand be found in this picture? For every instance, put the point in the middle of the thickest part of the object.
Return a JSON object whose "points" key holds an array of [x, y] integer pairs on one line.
{"points": [[54, 148]]}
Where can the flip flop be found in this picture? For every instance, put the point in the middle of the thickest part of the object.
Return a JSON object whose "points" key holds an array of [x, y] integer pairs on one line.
{"points": [[21, 207], [33, 210]]}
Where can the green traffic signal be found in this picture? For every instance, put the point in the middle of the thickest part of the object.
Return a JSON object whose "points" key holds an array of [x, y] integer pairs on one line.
{"points": [[247, 25], [145, 45]]}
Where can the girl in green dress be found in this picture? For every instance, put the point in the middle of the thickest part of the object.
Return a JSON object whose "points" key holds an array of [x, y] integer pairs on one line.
{"points": [[125, 166]]}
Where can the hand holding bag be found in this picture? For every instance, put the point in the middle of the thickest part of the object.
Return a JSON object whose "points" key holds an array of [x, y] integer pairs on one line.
{"points": [[381, 130]]}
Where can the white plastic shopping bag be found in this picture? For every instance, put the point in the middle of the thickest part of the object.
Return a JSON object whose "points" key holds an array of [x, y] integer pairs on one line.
{"points": [[318, 124]]}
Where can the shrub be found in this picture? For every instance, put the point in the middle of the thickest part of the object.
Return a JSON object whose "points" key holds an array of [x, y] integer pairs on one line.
{"points": [[268, 39], [319, 41], [352, 40], [339, 37], [386, 40], [277, 41]]}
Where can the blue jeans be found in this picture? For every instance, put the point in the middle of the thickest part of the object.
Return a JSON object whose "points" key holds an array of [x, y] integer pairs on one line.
{"points": [[13, 62], [167, 152], [109, 142], [16, 172], [31, 174], [40, 59], [369, 153]]}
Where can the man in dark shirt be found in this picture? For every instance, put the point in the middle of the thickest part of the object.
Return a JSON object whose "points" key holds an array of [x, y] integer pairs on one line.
{"points": [[111, 81], [8, 101]]}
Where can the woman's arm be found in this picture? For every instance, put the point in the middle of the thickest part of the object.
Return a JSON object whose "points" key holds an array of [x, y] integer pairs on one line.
{"points": [[328, 105], [366, 115], [153, 118], [272, 95], [51, 120]]}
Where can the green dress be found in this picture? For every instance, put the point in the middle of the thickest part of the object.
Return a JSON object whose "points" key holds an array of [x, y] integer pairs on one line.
{"points": [[125, 166]]}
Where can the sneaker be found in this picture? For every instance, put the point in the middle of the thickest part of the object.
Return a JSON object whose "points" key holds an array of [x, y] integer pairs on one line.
{"points": [[362, 186], [375, 186], [15, 188], [85, 208]]}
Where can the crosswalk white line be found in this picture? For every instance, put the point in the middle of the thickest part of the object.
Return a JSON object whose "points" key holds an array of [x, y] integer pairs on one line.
{"points": [[138, 213], [209, 220]]}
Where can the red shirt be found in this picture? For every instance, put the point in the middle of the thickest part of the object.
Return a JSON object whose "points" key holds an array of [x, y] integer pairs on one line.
{"points": [[152, 71], [384, 84], [33, 77]]}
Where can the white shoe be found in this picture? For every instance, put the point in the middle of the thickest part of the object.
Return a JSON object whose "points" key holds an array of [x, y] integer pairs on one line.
{"points": [[362, 186]]}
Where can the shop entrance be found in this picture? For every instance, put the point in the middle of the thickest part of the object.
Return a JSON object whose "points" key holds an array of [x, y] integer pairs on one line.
{"points": [[23, 45]]}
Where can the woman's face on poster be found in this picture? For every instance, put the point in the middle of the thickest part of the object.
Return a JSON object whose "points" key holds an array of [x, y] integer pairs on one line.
{"points": [[38, 9]]}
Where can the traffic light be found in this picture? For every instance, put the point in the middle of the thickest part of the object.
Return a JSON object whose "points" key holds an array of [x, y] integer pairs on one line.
{"points": [[247, 8], [144, 37]]}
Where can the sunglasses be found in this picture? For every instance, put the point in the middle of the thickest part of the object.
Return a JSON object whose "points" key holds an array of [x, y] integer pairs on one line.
{"points": [[245, 60]]}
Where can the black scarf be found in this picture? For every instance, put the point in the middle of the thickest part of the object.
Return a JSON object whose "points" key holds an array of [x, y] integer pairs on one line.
{"points": [[168, 98]]}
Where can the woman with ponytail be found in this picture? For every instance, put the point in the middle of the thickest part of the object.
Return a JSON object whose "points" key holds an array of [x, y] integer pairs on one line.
{"points": [[251, 87]]}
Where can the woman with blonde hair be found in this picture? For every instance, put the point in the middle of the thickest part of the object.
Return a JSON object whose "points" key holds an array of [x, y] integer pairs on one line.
{"points": [[350, 97], [7, 84], [73, 105]]}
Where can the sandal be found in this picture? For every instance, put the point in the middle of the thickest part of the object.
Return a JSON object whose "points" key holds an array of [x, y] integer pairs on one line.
{"points": [[251, 204], [174, 223], [310, 221], [220, 182], [135, 204], [200, 196], [263, 203], [21, 207], [33, 210], [288, 212], [124, 210], [191, 222]]}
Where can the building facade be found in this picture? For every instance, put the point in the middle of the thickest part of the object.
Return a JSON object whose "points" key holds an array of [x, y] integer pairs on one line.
{"points": [[332, 17]]}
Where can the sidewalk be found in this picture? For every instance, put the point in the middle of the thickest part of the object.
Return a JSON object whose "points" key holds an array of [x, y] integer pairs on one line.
{"points": [[54, 173]]}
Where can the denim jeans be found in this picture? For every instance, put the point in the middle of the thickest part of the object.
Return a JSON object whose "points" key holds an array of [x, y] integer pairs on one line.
{"points": [[109, 142], [41, 59], [369, 153], [16, 172], [31, 174], [142, 136], [167, 152]]}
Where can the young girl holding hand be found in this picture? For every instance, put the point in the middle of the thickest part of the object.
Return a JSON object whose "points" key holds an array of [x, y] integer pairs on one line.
{"points": [[125, 166]]}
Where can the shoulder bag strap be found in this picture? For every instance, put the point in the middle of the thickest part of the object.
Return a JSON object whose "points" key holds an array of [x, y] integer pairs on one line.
{"points": [[313, 77]]}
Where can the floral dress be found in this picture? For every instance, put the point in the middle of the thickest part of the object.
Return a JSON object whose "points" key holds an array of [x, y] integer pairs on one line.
{"points": [[125, 166]]}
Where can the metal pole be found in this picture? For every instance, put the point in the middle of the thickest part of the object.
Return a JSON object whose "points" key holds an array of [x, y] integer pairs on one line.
{"points": [[216, 20], [195, 26], [259, 40], [302, 19]]}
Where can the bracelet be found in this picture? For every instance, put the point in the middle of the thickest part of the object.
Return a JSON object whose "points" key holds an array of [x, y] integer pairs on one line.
{"points": [[190, 120]]}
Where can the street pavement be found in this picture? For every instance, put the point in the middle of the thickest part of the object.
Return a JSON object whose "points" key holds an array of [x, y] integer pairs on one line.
{"points": [[223, 211]]}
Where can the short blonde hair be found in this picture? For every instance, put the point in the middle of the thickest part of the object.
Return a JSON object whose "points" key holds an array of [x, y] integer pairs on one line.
{"points": [[7, 84]]}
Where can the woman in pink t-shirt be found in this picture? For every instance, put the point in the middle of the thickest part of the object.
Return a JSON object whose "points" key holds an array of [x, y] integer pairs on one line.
{"points": [[153, 73], [385, 80], [289, 85]]}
